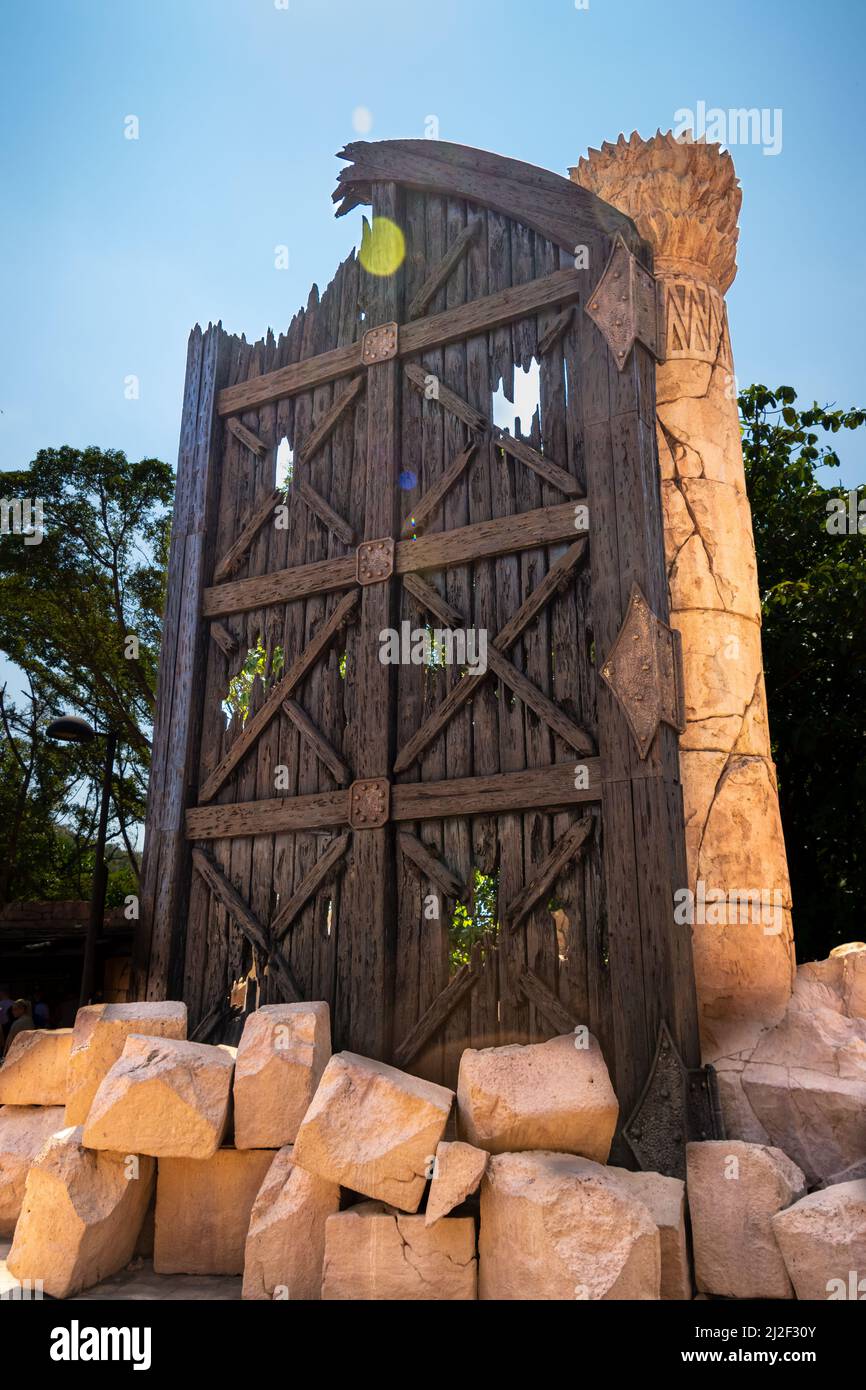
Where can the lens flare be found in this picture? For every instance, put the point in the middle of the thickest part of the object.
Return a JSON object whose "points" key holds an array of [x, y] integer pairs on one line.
{"points": [[383, 247]]}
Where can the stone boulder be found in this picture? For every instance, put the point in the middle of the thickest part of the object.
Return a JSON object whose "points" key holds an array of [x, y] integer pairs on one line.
{"points": [[376, 1254], [98, 1039], [734, 1191], [665, 1200], [163, 1097], [806, 1084], [823, 1242], [373, 1129], [81, 1216], [282, 1053], [285, 1246], [203, 1209], [34, 1070], [23, 1131], [552, 1230], [553, 1096], [457, 1171]]}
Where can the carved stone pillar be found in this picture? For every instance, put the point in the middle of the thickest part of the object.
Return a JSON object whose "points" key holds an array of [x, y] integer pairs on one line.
{"points": [[684, 198]]}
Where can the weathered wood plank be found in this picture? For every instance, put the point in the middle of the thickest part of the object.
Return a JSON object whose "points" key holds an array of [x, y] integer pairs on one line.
{"points": [[323, 749], [552, 335], [233, 557], [431, 866], [544, 467], [325, 512], [318, 875], [299, 668], [501, 536], [329, 421], [430, 1023], [537, 993], [442, 272], [547, 873], [251, 927], [247, 437], [227, 643], [434, 495], [440, 329]]}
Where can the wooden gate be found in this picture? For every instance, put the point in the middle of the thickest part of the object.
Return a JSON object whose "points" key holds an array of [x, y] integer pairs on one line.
{"points": [[449, 858]]}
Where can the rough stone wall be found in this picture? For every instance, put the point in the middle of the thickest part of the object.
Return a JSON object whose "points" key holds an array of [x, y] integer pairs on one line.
{"points": [[685, 198]]}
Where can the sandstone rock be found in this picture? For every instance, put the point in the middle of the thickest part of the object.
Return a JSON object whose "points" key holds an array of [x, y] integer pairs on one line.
{"points": [[551, 1229], [281, 1057], [374, 1129], [734, 1189], [665, 1200], [285, 1246], [823, 1241], [806, 1083], [81, 1216], [23, 1131], [457, 1171], [98, 1039], [853, 957], [34, 1070], [376, 1254], [552, 1096], [203, 1209], [163, 1097], [855, 1172]]}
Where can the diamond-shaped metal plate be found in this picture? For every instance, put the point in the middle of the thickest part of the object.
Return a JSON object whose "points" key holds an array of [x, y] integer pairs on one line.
{"points": [[379, 344], [624, 305], [644, 671]]}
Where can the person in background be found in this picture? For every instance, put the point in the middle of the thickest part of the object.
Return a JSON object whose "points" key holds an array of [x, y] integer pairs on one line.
{"points": [[5, 1010], [41, 1011], [22, 1021]]}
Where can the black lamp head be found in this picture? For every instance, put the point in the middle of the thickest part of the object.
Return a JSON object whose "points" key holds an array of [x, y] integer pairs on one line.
{"points": [[70, 729]]}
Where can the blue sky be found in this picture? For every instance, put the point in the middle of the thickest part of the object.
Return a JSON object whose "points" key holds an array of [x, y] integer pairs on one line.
{"points": [[111, 248]]}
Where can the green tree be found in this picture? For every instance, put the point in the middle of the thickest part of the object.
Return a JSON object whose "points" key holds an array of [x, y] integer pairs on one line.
{"points": [[80, 615], [812, 574]]}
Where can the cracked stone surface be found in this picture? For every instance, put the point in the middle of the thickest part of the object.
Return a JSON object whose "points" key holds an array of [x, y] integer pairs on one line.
{"points": [[734, 1190], [285, 1246], [373, 1253], [23, 1131], [98, 1039], [457, 1172], [685, 199], [81, 1215], [34, 1069], [374, 1129], [163, 1097], [551, 1095], [281, 1056], [823, 1242], [555, 1228]]}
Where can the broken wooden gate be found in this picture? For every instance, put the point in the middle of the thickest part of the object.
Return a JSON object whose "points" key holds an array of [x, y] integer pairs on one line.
{"points": [[449, 859]]}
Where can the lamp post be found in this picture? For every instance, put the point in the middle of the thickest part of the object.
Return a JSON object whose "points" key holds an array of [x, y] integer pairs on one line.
{"points": [[70, 729]]}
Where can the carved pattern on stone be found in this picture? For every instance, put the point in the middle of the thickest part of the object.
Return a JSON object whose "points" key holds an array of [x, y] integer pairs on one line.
{"points": [[697, 321]]}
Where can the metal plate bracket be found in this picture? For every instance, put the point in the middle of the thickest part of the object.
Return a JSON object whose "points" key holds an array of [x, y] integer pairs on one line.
{"points": [[374, 561], [644, 669], [379, 344], [677, 1104], [626, 306], [369, 803]]}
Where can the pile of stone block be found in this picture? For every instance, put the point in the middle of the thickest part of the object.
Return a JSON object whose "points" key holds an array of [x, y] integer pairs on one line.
{"points": [[338, 1177]]}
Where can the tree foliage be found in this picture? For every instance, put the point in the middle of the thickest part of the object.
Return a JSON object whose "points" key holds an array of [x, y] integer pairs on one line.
{"points": [[813, 596], [80, 616]]}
